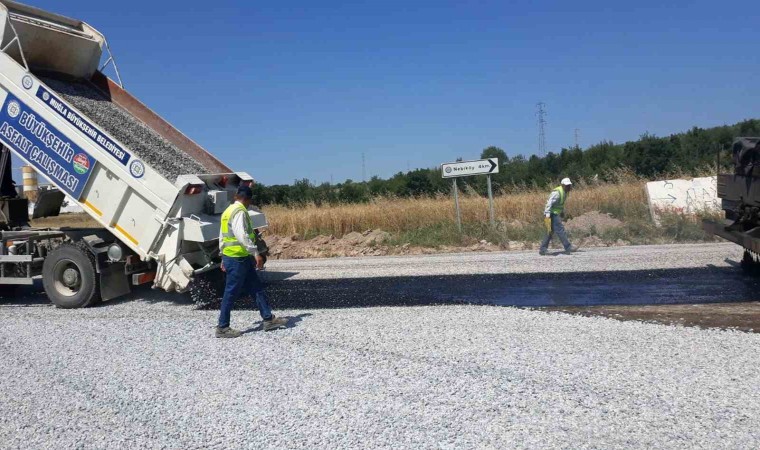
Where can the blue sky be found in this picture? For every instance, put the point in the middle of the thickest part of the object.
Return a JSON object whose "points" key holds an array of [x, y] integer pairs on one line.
{"points": [[300, 89]]}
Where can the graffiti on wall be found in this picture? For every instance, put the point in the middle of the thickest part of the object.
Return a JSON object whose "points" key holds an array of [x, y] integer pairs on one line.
{"points": [[695, 196]]}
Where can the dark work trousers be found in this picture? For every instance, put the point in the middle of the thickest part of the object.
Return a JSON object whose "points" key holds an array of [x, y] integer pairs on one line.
{"points": [[558, 228], [242, 279]]}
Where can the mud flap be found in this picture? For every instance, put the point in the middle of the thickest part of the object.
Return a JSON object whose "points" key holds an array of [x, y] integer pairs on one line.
{"points": [[48, 203], [113, 281]]}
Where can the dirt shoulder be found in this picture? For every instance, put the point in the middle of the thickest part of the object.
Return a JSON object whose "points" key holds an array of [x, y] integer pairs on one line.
{"points": [[66, 221], [743, 316]]}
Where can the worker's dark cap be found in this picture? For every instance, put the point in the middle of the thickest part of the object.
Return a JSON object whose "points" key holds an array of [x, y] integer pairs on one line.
{"points": [[245, 192]]}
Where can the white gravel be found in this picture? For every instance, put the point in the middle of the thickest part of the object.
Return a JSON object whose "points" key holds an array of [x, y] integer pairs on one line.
{"points": [[148, 374], [597, 259]]}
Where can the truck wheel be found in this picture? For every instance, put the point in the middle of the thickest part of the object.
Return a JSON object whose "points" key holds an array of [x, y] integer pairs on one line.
{"points": [[749, 264], [69, 277]]}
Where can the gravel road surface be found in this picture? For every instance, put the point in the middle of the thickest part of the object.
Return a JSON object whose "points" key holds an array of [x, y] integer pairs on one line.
{"points": [[144, 372], [599, 259]]}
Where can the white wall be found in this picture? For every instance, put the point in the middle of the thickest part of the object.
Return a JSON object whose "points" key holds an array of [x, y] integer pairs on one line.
{"points": [[683, 196]]}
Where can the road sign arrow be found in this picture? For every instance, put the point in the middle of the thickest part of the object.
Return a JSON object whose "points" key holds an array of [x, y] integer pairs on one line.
{"points": [[469, 168]]}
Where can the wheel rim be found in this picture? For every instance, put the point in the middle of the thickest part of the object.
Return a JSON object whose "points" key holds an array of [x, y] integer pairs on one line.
{"points": [[68, 278]]}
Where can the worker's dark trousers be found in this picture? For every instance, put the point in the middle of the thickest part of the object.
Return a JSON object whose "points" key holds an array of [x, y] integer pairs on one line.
{"points": [[242, 279], [558, 228]]}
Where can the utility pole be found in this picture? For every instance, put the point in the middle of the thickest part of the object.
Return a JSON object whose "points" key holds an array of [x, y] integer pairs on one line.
{"points": [[364, 168], [541, 113], [576, 138]]}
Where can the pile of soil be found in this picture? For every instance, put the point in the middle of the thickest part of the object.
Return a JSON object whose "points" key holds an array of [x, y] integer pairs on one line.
{"points": [[369, 243], [593, 220]]}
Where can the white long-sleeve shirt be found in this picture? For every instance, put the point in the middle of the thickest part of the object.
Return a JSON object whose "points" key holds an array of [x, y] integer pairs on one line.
{"points": [[239, 227], [553, 200]]}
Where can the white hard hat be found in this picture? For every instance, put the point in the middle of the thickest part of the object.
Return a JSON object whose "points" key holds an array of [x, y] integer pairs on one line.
{"points": [[566, 182]]}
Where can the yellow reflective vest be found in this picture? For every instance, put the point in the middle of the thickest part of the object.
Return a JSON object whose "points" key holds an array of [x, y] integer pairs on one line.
{"points": [[559, 207], [230, 245]]}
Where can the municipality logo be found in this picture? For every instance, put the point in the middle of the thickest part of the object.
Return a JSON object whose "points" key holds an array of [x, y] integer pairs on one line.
{"points": [[14, 109], [448, 170], [81, 163], [137, 168], [27, 82], [45, 96]]}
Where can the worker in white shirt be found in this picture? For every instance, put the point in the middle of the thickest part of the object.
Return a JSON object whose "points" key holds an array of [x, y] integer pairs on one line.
{"points": [[240, 259], [553, 213]]}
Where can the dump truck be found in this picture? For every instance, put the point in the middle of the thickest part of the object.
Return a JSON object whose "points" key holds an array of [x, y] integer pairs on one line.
{"points": [[740, 200], [157, 195]]}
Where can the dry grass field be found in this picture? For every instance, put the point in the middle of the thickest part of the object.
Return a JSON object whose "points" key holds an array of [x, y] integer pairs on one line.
{"points": [[430, 222], [397, 215]]}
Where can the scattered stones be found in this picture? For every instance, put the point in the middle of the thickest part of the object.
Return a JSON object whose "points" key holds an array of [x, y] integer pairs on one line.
{"points": [[322, 240], [353, 238], [376, 237], [145, 372]]}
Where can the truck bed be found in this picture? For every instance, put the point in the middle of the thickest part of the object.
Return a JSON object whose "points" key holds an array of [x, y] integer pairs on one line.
{"points": [[166, 158]]}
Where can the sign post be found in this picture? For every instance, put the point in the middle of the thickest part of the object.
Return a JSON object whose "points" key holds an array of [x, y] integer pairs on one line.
{"points": [[456, 204], [470, 168], [490, 202]]}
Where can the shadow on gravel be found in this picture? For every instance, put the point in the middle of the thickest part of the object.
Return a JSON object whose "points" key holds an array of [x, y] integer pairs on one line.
{"points": [[293, 321], [23, 296]]}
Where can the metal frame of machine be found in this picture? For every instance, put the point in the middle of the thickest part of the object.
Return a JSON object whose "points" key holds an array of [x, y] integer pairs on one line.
{"points": [[740, 201]]}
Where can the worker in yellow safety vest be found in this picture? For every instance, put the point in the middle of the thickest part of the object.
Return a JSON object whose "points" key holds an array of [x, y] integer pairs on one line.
{"points": [[553, 214], [240, 260]]}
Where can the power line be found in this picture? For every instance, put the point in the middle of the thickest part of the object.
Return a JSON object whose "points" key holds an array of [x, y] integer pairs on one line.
{"points": [[541, 113]]}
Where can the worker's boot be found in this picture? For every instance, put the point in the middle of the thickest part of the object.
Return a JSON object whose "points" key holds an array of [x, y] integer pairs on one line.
{"points": [[571, 249], [542, 252], [227, 332], [274, 323]]}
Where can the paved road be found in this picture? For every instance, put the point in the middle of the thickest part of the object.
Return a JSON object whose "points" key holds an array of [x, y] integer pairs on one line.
{"points": [[666, 274], [614, 276], [144, 372]]}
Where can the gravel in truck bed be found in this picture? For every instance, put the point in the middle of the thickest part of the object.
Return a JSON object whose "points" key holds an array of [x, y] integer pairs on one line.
{"points": [[139, 139]]}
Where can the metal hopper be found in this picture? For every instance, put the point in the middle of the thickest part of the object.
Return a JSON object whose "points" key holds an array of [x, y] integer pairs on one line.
{"points": [[69, 51], [50, 42]]}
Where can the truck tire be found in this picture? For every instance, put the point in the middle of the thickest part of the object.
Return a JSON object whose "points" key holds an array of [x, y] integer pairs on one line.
{"points": [[749, 264], [69, 277]]}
